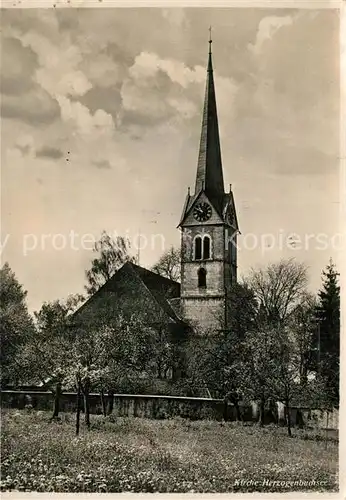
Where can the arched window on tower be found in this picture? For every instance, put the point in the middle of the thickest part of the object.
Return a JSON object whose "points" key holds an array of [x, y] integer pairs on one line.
{"points": [[206, 247], [202, 278], [198, 248]]}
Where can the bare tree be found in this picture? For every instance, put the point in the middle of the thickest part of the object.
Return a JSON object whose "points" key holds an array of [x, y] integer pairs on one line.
{"points": [[168, 264], [112, 254], [279, 288]]}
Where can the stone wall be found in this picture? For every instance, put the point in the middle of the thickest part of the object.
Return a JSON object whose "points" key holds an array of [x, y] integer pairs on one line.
{"points": [[161, 407], [146, 406]]}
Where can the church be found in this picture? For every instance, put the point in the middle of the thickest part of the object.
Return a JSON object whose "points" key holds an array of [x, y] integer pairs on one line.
{"points": [[209, 229]]}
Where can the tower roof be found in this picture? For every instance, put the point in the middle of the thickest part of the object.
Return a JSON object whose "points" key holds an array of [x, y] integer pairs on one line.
{"points": [[209, 168]]}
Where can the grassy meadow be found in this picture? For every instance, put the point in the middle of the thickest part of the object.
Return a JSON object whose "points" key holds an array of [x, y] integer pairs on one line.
{"points": [[139, 455]]}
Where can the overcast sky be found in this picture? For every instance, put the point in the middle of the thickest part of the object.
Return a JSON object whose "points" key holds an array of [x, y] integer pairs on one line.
{"points": [[101, 122]]}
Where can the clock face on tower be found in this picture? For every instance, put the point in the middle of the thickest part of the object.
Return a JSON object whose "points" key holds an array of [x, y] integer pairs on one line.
{"points": [[202, 212]]}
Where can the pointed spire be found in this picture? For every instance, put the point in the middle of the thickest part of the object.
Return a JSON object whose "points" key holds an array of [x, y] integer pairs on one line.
{"points": [[209, 169]]}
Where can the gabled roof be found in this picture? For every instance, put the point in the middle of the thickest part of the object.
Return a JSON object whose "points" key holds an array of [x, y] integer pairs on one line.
{"points": [[135, 281], [226, 200], [190, 201], [229, 202], [232, 203]]}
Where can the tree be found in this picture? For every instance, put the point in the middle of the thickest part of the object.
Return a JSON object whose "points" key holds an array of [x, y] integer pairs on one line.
{"points": [[225, 352], [215, 359], [303, 328], [46, 355], [168, 264], [278, 349], [106, 352], [284, 377], [328, 326], [16, 323], [242, 309], [202, 377], [112, 254], [52, 315], [257, 367], [278, 289], [270, 369], [121, 342]]}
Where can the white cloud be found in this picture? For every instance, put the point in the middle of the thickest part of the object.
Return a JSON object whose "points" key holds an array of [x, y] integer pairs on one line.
{"points": [[85, 122], [73, 83], [267, 28], [61, 76], [102, 70], [145, 93], [139, 93], [187, 109], [147, 64], [59, 73], [142, 101]]}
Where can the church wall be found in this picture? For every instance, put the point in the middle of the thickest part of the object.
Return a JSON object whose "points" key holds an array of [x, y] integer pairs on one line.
{"points": [[206, 314], [217, 236], [215, 278], [204, 307]]}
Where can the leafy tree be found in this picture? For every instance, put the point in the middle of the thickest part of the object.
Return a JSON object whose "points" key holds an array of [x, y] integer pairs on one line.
{"points": [[278, 288], [120, 342], [242, 309], [168, 264], [46, 355], [215, 358], [283, 380], [226, 352], [256, 371], [270, 369], [286, 384], [16, 323], [111, 255], [303, 329], [202, 377], [52, 315], [107, 353], [328, 326]]}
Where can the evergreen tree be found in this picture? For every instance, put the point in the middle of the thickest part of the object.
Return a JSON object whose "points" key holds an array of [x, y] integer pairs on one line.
{"points": [[328, 330]]}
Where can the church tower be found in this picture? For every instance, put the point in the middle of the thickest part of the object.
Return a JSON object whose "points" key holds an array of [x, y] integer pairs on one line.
{"points": [[209, 230]]}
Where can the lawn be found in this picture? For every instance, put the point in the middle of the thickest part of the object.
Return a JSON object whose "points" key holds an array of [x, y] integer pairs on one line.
{"points": [[139, 455]]}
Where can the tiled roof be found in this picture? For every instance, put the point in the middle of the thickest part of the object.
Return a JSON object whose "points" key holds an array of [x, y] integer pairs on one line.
{"points": [[142, 282]]}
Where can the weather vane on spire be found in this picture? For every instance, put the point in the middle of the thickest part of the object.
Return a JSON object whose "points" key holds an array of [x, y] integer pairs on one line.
{"points": [[210, 40]]}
